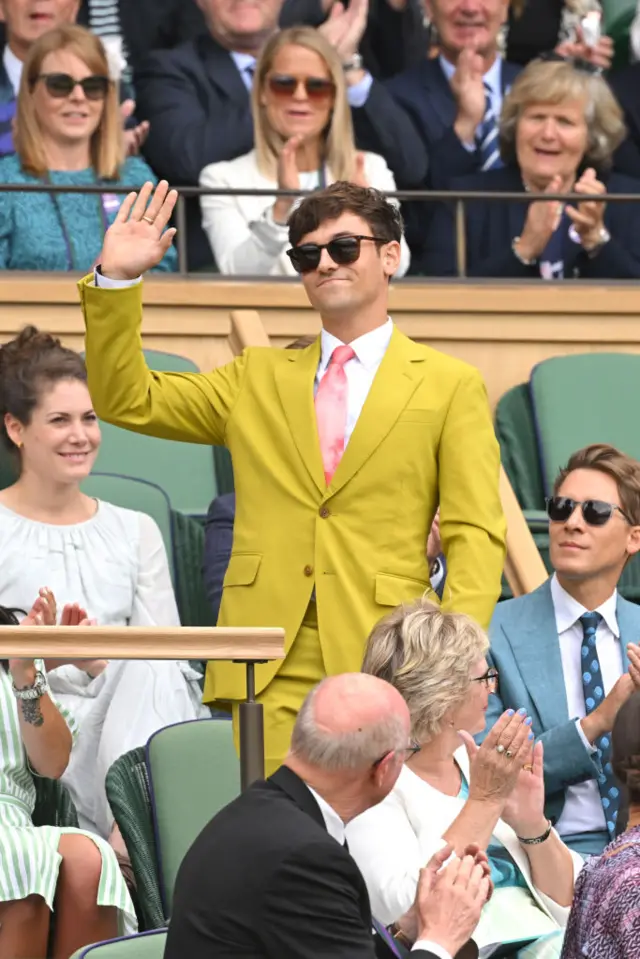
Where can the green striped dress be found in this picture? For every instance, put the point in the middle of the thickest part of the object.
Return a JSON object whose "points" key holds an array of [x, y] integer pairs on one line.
{"points": [[29, 857]]}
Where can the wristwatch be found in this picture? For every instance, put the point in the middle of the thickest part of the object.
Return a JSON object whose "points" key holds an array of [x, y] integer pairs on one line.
{"points": [[36, 691], [353, 63]]}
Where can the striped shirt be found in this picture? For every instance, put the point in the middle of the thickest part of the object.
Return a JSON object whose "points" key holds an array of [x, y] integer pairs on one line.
{"points": [[104, 21]]}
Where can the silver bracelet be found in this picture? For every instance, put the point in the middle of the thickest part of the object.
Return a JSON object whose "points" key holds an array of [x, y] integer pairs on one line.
{"points": [[538, 839], [519, 256]]}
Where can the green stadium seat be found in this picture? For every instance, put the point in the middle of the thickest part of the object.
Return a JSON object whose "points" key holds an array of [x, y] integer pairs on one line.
{"points": [[193, 772], [515, 429], [618, 17], [136, 494], [146, 945], [127, 786]]}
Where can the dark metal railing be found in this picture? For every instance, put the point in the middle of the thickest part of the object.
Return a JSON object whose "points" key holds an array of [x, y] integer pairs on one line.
{"points": [[459, 197]]}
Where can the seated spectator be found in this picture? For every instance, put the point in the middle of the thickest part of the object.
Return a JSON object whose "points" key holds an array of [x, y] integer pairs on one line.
{"points": [[604, 917], [24, 24], [48, 869], [111, 560], [539, 642], [455, 793], [289, 888], [68, 133], [304, 140], [559, 127], [626, 87], [197, 97]]}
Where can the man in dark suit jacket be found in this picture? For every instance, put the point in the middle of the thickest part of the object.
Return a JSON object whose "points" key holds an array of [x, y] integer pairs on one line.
{"points": [[196, 97], [270, 876], [626, 87]]}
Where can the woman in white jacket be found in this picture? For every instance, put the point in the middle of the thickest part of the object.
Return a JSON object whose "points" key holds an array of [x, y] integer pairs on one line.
{"points": [[304, 141], [458, 793]]}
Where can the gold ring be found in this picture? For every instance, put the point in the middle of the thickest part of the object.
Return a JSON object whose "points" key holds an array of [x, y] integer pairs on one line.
{"points": [[528, 766], [148, 219]]}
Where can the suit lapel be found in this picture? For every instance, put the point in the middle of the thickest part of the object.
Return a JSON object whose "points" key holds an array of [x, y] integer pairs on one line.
{"points": [[222, 71], [294, 382], [401, 370], [533, 637], [627, 615], [440, 96]]}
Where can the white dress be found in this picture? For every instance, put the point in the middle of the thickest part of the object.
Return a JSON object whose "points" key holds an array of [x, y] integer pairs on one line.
{"points": [[115, 565]]}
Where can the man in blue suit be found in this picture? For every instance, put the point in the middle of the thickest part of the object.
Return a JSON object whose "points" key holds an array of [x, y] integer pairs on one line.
{"points": [[563, 652]]}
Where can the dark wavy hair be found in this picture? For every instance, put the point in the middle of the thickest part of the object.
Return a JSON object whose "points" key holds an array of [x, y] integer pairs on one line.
{"points": [[30, 363], [625, 758]]}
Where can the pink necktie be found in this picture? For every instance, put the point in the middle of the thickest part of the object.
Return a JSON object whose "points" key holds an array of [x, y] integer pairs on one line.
{"points": [[331, 410]]}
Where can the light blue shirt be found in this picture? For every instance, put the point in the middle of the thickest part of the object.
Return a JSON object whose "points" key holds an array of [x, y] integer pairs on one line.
{"points": [[246, 65]]}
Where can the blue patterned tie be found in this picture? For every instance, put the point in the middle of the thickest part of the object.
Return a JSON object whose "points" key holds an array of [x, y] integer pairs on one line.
{"points": [[593, 696], [487, 138]]}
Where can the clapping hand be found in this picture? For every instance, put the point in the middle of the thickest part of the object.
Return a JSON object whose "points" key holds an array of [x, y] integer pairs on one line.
{"points": [[467, 85], [135, 137], [588, 218], [137, 239], [344, 28], [524, 809], [495, 765], [360, 177], [543, 218], [288, 178], [600, 55]]}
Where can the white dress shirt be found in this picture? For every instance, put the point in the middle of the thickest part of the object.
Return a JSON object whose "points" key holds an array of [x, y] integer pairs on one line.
{"points": [[13, 66], [360, 371], [492, 81], [583, 810], [336, 829]]}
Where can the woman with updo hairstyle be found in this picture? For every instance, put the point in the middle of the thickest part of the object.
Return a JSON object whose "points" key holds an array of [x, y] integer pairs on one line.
{"points": [[110, 560], [47, 870], [452, 791], [605, 918], [559, 127]]}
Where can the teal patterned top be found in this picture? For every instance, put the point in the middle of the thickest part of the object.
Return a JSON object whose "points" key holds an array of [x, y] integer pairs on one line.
{"points": [[40, 232], [504, 872]]}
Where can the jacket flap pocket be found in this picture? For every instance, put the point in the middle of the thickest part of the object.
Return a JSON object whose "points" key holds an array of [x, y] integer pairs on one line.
{"points": [[242, 569], [392, 590]]}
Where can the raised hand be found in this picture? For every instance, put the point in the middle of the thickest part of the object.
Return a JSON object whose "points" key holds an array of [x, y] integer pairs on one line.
{"points": [[543, 218], [495, 765], [633, 652], [467, 85], [524, 808], [599, 54], [360, 177], [450, 899], [344, 28], [75, 615], [588, 218], [137, 239], [288, 179]]}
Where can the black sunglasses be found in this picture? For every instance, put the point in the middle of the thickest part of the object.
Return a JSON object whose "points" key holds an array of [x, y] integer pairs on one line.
{"points": [[61, 85], [576, 62], [490, 679], [595, 512], [342, 250], [316, 88], [409, 751]]}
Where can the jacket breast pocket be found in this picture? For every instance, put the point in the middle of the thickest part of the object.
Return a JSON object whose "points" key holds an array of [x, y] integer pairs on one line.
{"points": [[242, 569], [392, 590]]}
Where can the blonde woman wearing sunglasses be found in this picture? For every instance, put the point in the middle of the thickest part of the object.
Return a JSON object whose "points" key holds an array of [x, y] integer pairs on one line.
{"points": [[303, 141], [68, 133]]}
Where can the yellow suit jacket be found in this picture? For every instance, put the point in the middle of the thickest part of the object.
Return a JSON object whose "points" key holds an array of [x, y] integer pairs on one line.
{"points": [[424, 437]]}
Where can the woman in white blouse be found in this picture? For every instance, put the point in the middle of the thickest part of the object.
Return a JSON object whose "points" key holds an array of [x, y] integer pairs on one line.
{"points": [[304, 141], [461, 794], [111, 560]]}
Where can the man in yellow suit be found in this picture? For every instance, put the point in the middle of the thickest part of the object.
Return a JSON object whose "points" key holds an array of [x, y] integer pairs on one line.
{"points": [[341, 452]]}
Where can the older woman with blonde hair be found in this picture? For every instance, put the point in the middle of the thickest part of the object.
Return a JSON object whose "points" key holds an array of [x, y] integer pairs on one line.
{"points": [[303, 141], [452, 791], [559, 128], [68, 133]]}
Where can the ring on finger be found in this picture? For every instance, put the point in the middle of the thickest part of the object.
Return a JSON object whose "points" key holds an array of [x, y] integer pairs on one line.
{"points": [[528, 767], [148, 219], [508, 754], [500, 748]]}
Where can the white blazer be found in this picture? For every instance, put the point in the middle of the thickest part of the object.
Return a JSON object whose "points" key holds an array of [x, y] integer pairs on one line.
{"points": [[242, 234], [392, 841]]}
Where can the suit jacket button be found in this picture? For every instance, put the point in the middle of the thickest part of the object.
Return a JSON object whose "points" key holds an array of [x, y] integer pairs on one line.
{"points": [[308, 571], [325, 511]]}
